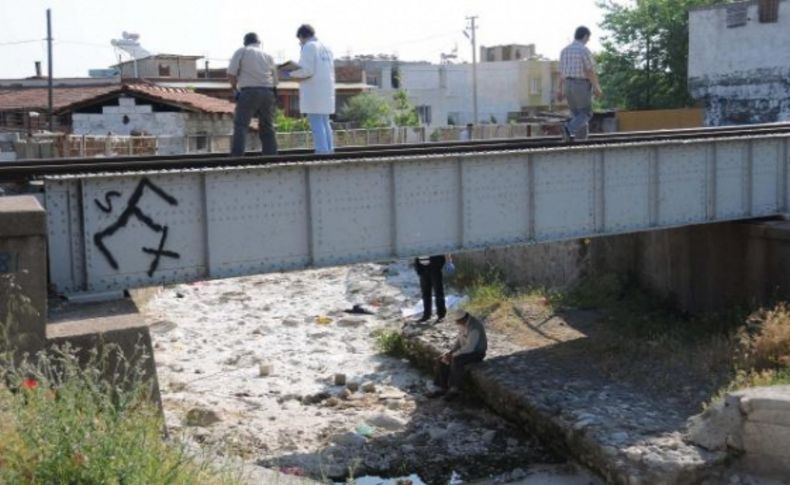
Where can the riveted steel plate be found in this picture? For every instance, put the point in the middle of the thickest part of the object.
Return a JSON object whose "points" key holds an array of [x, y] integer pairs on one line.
{"points": [[496, 199], [626, 189], [351, 217], [564, 195], [142, 231], [766, 158], [66, 244], [682, 179], [731, 168], [427, 204], [257, 221]]}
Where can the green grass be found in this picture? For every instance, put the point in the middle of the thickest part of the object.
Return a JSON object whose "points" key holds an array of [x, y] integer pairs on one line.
{"points": [[91, 424], [391, 342]]}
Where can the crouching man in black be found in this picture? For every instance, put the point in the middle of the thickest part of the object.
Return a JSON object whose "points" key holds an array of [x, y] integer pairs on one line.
{"points": [[470, 346]]}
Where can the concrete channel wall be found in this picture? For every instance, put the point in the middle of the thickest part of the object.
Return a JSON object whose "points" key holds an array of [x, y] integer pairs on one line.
{"points": [[700, 268]]}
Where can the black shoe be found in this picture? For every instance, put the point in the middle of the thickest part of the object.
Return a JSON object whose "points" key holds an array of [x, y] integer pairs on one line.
{"points": [[439, 319], [424, 319], [451, 395]]}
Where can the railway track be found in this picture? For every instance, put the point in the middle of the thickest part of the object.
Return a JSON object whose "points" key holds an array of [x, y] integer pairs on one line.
{"points": [[34, 169]]}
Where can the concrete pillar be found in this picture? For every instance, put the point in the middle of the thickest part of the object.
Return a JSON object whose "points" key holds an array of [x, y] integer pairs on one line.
{"points": [[23, 271]]}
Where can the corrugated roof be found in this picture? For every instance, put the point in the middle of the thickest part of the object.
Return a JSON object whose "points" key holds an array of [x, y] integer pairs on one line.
{"points": [[67, 99]]}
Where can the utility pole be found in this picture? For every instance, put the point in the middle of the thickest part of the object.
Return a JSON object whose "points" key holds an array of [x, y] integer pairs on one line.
{"points": [[471, 34], [49, 69]]}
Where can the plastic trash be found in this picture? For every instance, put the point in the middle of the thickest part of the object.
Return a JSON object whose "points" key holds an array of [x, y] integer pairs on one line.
{"points": [[449, 268], [323, 320], [364, 430]]}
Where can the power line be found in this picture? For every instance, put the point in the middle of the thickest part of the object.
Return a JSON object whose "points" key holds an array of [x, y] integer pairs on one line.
{"points": [[18, 42]]}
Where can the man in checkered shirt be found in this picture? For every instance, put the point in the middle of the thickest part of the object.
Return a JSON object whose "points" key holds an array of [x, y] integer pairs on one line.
{"points": [[578, 82]]}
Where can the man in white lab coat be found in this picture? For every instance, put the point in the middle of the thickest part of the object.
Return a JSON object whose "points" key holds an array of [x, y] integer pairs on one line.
{"points": [[316, 76]]}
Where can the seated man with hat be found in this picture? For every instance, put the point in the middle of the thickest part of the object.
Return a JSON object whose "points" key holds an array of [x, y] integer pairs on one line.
{"points": [[470, 346]]}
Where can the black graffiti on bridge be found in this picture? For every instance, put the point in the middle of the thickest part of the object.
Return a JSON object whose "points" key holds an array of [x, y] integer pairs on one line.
{"points": [[132, 210], [108, 198]]}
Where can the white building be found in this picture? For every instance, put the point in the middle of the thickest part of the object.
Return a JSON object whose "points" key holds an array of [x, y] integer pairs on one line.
{"points": [[442, 93], [739, 61]]}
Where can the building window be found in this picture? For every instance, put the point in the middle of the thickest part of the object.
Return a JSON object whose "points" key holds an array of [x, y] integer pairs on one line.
{"points": [[201, 142], [164, 70], [737, 15], [768, 11], [490, 56], [424, 112], [535, 86]]}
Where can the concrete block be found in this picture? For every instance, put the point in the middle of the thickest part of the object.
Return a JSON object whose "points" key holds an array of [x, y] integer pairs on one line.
{"points": [[111, 110], [774, 398], [143, 109], [23, 281], [96, 325], [762, 438]]}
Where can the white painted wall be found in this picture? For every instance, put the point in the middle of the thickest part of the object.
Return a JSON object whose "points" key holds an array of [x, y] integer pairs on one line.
{"points": [[141, 118], [503, 87], [715, 49], [740, 72]]}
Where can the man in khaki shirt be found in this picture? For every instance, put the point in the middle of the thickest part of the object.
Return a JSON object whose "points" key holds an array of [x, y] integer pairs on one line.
{"points": [[253, 77]]}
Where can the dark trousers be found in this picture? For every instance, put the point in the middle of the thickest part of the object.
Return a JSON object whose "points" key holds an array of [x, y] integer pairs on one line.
{"points": [[452, 374], [431, 280], [257, 102]]}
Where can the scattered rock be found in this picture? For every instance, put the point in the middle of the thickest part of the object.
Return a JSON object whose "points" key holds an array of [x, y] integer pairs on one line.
{"points": [[384, 421], [344, 394], [350, 439], [351, 322], [340, 379], [264, 370], [176, 386], [352, 386], [332, 402], [368, 387], [201, 417], [290, 322], [488, 436], [718, 426], [393, 404], [315, 398]]}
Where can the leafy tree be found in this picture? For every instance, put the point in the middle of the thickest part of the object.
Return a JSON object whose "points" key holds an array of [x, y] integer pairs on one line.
{"points": [[644, 62], [369, 110], [286, 124], [405, 114]]}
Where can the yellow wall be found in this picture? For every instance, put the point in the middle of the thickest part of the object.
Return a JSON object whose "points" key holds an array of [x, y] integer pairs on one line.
{"points": [[664, 119]]}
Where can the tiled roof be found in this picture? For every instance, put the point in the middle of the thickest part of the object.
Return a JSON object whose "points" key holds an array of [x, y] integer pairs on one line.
{"points": [[68, 99]]}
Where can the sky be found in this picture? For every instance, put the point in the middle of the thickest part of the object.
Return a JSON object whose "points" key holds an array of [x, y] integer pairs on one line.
{"points": [[412, 29]]}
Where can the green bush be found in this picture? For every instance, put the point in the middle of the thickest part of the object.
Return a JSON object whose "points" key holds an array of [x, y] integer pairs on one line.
{"points": [[63, 422], [391, 342], [286, 124]]}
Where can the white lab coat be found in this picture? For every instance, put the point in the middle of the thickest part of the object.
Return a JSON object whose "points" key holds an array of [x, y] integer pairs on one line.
{"points": [[317, 68]]}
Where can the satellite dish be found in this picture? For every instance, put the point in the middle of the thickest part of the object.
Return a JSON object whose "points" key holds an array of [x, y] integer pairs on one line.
{"points": [[130, 44]]}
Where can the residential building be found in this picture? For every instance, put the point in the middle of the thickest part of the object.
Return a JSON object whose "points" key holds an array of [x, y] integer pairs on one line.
{"points": [[510, 52], [171, 114], [442, 93], [160, 66], [739, 61]]}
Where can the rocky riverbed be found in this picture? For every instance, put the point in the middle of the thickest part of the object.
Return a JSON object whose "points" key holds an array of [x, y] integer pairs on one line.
{"points": [[275, 370]]}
